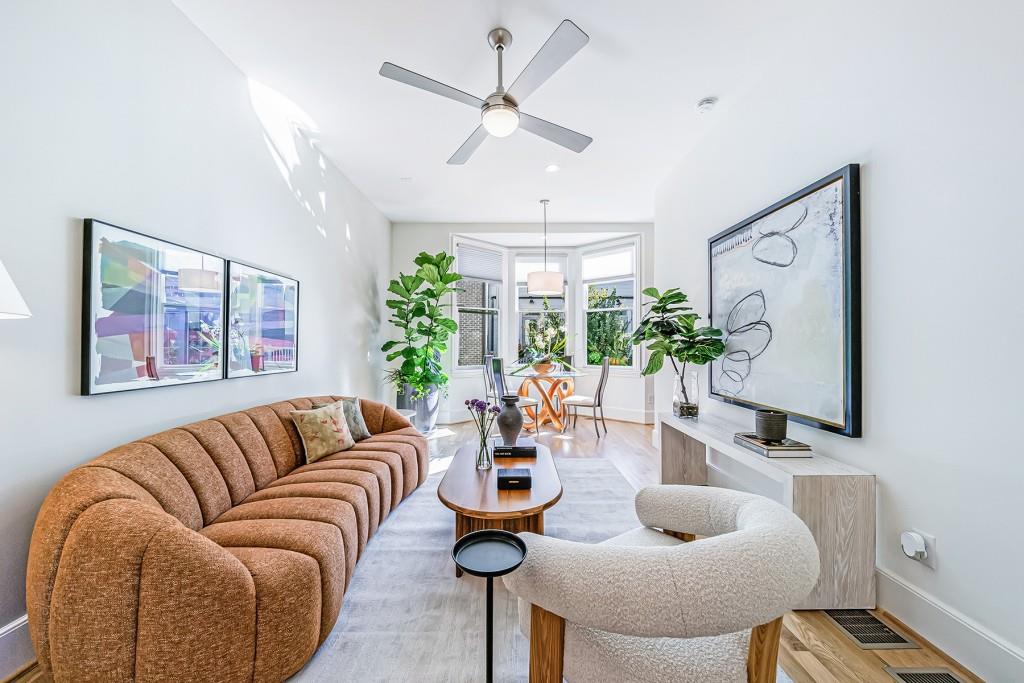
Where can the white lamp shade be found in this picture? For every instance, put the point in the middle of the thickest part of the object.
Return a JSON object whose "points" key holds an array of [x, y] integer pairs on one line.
{"points": [[544, 283], [11, 303]]}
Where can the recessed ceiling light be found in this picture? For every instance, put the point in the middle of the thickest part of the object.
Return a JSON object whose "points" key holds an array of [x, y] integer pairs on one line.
{"points": [[552, 168], [406, 179], [706, 104]]}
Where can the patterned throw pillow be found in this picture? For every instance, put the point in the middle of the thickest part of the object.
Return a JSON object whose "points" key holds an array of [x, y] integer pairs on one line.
{"points": [[323, 431], [354, 417]]}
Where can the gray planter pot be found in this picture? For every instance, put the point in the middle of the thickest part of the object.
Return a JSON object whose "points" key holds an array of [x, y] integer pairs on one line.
{"points": [[425, 407]]}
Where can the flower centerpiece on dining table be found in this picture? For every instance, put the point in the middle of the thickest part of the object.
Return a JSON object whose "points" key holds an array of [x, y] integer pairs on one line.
{"points": [[483, 414]]}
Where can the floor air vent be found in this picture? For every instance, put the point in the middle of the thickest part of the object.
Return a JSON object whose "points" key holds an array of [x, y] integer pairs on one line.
{"points": [[923, 675], [869, 633]]}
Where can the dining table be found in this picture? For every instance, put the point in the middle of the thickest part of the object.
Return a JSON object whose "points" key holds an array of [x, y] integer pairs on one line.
{"points": [[552, 388]]}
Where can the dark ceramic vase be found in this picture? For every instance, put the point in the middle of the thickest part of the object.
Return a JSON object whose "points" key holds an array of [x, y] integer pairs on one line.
{"points": [[510, 420]]}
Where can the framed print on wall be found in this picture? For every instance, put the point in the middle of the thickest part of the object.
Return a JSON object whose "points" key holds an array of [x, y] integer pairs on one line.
{"points": [[785, 291], [152, 312], [263, 314]]}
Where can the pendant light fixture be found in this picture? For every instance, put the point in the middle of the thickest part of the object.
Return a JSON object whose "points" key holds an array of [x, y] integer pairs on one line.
{"points": [[544, 282]]}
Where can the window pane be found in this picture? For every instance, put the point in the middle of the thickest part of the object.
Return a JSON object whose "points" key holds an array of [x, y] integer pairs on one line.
{"points": [[541, 332], [531, 263], [526, 302], [478, 294], [608, 264], [608, 335], [478, 336], [618, 294]]}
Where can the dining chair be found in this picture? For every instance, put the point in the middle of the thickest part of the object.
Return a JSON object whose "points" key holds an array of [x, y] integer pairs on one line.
{"points": [[595, 402], [498, 386]]}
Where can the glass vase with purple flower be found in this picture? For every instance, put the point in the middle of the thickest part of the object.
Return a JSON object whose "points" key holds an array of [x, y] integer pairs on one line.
{"points": [[483, 414]]}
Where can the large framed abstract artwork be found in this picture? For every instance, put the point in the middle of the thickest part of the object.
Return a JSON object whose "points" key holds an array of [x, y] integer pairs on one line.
{"points": [[785, 291], [152, 312], [263, 309]]}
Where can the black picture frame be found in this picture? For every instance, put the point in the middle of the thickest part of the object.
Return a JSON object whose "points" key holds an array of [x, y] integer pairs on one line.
{"points": [[88, 366], [227, 327], [852, 388]]}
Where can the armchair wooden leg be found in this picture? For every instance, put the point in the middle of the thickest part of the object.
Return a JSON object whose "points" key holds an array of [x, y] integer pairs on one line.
{"points": [[763, 658], [547, 646]]}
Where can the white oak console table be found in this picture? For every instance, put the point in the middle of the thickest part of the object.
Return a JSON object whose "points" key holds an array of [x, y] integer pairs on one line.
{"points": [[835, 500]]}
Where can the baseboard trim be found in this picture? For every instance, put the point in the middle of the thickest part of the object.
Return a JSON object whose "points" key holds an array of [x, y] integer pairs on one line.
{"points": [[983, 652], [16, 650]]}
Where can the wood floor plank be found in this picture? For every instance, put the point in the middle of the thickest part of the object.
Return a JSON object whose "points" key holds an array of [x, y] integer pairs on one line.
{"points": [[793, 668], [840, 657]]}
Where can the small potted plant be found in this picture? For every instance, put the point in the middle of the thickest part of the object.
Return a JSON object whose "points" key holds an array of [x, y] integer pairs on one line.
{"points": [[483, 414], [671, 327]]}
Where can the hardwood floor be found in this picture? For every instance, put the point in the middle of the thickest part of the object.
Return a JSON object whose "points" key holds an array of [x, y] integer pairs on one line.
{"points": [[813, 649]]}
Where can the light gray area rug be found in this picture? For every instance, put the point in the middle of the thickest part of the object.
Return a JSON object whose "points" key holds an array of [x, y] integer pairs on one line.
{"points": [[407, 618]]}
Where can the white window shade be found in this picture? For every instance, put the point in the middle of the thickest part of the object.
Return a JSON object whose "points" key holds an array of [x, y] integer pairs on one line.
{"points": [[476, 262], [608, 265], [531, 264]]}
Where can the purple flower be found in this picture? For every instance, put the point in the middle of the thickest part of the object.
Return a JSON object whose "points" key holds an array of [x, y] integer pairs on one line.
{"points": [[495, 409]]}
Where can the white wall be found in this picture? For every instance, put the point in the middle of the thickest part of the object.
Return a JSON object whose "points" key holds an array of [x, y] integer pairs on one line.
{"points": [[929, 99], [123, 110], [628, 394]]}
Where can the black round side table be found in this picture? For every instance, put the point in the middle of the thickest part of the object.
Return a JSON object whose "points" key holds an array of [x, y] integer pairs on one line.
{"points": [[489, 553]]}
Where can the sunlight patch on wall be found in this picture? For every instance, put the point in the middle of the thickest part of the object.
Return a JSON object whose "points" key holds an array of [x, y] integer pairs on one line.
{"points": [[288, 131]]}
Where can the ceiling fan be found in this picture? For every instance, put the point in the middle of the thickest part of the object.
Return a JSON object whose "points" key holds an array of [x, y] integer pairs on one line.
{"points": [[499, 113]]}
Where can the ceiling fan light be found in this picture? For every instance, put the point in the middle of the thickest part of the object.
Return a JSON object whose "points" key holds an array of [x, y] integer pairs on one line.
{"points": [[500, 120], [544, 283]]}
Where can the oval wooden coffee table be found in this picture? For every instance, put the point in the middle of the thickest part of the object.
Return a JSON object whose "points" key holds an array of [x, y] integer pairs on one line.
{"points": [[478, 504]]}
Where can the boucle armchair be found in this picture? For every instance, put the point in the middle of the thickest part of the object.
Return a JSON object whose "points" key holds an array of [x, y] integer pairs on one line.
{"points": [[648, 606], [210, 552]]}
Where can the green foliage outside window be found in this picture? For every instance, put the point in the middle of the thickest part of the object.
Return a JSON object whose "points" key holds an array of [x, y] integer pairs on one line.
{"points": [[608, 332]]}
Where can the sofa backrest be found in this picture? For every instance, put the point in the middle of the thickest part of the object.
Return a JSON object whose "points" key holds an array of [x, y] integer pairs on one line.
{"points": [[194, 473]]}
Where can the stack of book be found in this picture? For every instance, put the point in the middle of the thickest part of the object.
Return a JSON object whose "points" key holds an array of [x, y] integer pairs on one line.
{"points": [[502, 451], [787, 448]]}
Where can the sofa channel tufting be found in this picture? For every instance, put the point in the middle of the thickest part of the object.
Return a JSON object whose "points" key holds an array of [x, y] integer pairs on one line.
{"points": [[210, 551]]}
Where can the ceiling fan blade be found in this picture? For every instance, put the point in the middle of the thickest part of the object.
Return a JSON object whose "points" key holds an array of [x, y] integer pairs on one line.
{"points": [[463, 153], [566, 41], [397, 73], [569, 139]]}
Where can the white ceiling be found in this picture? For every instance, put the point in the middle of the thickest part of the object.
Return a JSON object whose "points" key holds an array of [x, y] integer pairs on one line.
{"points": [[632, 88]]}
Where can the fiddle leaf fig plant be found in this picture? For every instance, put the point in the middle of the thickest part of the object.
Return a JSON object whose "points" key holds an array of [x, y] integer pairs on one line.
{"points": [[418, 313], [671, 328]]}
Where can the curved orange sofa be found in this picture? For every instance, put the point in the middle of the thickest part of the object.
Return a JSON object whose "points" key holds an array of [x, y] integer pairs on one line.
{"points": [[210, 552]]}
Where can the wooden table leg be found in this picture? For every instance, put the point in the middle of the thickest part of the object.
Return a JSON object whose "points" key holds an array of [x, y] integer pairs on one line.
{"points": [[530, 421], [548, 412], [547, 646]]}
